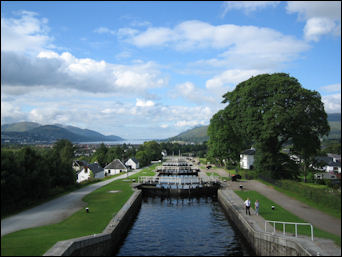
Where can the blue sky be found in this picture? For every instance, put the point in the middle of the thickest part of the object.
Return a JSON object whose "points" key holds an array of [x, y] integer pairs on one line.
{"points": [[154, 69]]}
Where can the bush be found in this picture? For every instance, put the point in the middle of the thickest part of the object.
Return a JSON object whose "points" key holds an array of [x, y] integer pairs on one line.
{"points": [[329, 199]]}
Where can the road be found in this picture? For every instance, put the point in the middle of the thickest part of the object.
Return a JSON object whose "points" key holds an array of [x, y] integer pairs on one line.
{"points": [[53, 211]]}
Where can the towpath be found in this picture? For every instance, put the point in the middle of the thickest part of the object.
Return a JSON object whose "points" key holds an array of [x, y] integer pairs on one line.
{"points": [[309, 214], [53, 211]]}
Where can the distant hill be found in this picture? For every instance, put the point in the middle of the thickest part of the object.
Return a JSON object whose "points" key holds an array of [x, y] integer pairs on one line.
{"points": [[19, 126], [199, 134], [195, 135], [34, 133], [334, 117], [96, 136], [334, 120]]}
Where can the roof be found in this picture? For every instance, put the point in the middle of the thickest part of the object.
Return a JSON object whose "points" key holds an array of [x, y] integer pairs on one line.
{"points": [[249, 152], [80, 163], [133, 159], [326, 160], [95, 167], [116, 165]]}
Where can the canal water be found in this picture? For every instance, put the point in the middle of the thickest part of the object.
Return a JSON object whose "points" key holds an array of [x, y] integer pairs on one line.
{"points": [[188, 226]]}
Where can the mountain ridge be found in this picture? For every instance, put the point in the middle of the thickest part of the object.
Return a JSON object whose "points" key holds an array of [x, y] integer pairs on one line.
{"points": [[199, 134], [35, 132]]}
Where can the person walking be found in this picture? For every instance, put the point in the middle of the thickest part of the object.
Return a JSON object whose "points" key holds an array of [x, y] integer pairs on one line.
{"points": [[248, 205], [256, 205]]}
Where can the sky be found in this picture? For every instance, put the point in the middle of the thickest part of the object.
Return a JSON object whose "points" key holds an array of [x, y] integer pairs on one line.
{"points": [[150, 70]]}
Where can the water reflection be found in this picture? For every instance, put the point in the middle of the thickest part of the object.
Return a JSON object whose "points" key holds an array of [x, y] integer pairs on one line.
{"points": [[182, 226]]}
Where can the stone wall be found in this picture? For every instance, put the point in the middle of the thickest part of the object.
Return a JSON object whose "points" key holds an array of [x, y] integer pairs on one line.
{"points": [[263, 244], [106, 242]]}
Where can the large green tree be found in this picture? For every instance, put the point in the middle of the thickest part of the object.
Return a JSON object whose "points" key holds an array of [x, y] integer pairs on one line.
{"points": [[273, 110], [225, 143]]}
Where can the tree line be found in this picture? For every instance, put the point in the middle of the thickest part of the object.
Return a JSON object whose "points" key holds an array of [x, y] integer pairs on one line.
{"points": [[145, 153], [29, 175], [269, 112]]}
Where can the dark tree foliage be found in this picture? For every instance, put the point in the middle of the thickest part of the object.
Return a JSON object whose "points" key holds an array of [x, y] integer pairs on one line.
{"points": [[225, 143], [272, 110], [149, 151], [28, 175]]}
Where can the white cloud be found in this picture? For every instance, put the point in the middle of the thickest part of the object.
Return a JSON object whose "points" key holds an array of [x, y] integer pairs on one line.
{"points": [[142, 103], [28, 33], [316, 27], [192, 93], [245, 46], [189, 123], [332, 88], [66, 71], [229, 79], [247, 6], [104, 30], [332, 103], [322, 17]]}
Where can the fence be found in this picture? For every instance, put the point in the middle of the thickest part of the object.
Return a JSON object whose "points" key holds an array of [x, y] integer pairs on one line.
{"points": [[177, 180], [293, 223]]}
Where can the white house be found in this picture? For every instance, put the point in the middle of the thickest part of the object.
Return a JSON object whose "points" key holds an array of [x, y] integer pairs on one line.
{"points": [[87, 170], [132, 163], [247, 159], [328, 164], [164, 153], [115, 167]]}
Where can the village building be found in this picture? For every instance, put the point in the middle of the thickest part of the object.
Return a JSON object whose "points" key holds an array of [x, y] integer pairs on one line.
{"points": [[115, 167], [247, 159], [327, 164], [132, 163], [90, 170]]}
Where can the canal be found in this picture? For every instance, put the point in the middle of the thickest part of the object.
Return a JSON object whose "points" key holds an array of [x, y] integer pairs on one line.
{"points": [[182, 226]]}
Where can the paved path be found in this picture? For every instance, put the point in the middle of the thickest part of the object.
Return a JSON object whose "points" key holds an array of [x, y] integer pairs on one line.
{"points": [[53, 211], [320, 246], [315, 217]]}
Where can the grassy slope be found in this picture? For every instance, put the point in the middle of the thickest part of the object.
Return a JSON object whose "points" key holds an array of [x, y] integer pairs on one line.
{"points": [[280, 214], [102, 205], [315, 204]]}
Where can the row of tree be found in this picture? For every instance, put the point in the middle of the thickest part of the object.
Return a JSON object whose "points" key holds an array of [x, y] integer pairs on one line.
{"points": [[268, 112], [29, 175]]}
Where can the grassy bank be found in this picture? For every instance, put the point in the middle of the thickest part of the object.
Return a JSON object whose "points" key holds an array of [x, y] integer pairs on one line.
{"points": [[280, 214], [103, 206], [316, 196]]}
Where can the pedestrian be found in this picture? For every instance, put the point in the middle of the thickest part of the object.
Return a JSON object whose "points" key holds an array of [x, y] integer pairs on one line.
{"points": [[256, 205], [248, 205]]}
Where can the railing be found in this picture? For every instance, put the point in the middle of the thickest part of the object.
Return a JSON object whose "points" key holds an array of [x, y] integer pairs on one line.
{"points": [[293, 223], [176, 180]]}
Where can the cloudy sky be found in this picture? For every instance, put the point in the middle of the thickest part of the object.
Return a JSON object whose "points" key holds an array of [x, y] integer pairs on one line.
{"points": [[146, 70]]}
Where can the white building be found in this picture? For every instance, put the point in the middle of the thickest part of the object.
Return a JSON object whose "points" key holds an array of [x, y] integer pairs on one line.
{"points": [[327, 164], [115, 167], [132, 163], [247, 159], [90, 170]]}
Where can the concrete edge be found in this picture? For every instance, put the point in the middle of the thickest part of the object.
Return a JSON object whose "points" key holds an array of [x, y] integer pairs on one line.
{"points": [[102, 243], [263, 244]]}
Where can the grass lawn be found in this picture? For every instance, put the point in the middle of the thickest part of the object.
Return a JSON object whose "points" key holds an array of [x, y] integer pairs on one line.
{"points": [[280, 214], [102, 205], [315, 204]]}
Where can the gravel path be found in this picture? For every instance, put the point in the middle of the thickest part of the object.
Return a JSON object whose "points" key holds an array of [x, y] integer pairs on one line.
{"points": [[315, 217], [53, 211], [307, 213]]}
